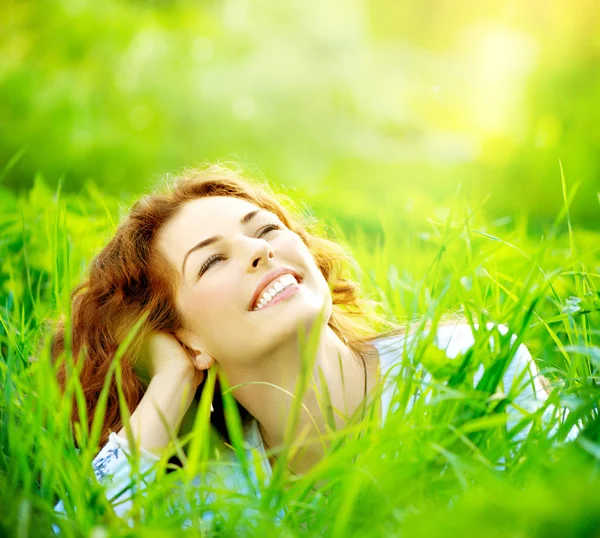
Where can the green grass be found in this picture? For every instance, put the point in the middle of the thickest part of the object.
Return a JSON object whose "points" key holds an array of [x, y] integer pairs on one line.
{"points": [[430, 471]]}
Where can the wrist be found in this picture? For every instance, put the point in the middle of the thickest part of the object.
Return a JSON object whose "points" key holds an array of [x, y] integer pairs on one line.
{"points": [[174, 371], [163, 406], [177, 375]]}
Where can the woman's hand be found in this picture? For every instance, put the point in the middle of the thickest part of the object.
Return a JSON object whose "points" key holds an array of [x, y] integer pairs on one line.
{"points": [[163, 353], [173, 375]]}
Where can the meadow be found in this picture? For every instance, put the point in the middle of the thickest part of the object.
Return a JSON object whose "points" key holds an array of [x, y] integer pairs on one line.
{"points": [[431, 470], [450, 148]]}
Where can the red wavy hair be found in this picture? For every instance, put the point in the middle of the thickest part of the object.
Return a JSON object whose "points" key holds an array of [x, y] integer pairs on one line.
{"points": [[129, 278]]}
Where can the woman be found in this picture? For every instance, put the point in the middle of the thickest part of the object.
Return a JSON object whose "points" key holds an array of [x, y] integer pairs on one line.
{"points": [[218, 273]]}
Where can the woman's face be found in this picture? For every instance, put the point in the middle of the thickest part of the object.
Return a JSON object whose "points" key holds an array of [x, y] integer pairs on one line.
{"points": [[217, 282]]}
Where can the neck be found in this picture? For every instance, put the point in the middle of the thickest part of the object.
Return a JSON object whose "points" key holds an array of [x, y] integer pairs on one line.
{"points": [[271, 400]]}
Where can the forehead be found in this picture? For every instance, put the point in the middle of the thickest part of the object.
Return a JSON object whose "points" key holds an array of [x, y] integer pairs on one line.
{"points": [[211, 210], [200, 219]]}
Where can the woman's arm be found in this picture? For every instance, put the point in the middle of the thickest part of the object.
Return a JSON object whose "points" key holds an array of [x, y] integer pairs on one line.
{"points": [[521, 376], [167, 398], [169, 394], [532, 390], [174, 377], [112, 468]]}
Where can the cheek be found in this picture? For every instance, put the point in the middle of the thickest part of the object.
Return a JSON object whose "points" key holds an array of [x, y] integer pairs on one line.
{"points": [[295, 248], [210, 304], [310, 263]]}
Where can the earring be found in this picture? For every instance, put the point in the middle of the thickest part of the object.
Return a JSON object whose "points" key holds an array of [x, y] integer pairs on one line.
{"points": [[207, 366]]}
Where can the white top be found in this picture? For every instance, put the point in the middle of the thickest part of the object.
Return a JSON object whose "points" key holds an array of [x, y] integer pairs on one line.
{"points": [[112, 466]]}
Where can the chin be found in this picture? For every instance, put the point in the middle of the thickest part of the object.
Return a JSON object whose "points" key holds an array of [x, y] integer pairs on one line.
{"points": [[308, 316], [285, 322]]}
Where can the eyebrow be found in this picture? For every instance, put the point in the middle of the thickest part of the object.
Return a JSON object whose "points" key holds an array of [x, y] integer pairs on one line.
{"points": [[244, 220]]}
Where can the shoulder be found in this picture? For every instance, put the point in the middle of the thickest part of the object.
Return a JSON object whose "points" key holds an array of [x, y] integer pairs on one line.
{"points": [[454, 338]]}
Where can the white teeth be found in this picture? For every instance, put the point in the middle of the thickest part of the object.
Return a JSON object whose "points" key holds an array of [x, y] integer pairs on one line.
{"points": [[279, 285]]}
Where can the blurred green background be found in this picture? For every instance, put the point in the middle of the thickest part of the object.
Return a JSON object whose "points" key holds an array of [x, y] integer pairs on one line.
{"points": [[373, 115], [393, 104]]}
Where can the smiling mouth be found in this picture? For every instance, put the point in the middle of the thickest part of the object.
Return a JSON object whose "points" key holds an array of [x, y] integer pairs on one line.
{"points": [[282, 295]]}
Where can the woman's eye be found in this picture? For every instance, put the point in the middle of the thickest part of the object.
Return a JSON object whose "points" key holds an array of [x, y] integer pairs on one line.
{"points": [[210, 262], [270, 227], [216, 257]]}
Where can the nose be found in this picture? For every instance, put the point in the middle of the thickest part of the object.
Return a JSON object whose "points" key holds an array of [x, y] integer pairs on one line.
{"points": [[261, 253]]}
